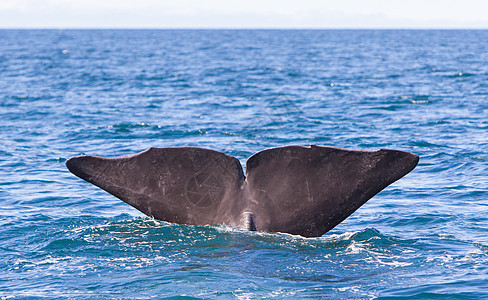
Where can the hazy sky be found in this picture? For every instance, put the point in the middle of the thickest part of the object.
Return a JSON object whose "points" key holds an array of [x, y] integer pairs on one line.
{"points": [[243, 14]]}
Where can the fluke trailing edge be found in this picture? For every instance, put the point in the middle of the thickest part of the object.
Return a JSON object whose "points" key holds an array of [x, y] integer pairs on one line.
{"points": [[293, 189]]}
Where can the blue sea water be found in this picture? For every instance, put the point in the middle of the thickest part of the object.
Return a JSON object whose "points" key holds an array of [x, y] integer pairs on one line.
{"points": [[117, 92]]}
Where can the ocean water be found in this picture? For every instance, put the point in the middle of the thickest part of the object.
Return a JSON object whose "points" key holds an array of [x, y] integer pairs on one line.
{"points": [[117, 92]]}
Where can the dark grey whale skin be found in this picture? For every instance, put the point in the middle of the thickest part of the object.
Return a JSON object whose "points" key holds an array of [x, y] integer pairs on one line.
{"points": [[292, 189]]}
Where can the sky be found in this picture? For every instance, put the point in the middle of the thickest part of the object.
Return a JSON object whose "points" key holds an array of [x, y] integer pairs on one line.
{"points": [[244, 14]]}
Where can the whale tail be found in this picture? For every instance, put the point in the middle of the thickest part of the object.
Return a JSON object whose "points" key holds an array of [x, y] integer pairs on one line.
{"points": [[292, 189]]}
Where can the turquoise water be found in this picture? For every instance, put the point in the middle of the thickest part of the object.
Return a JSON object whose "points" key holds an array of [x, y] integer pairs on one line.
{"points": [[118, 92]]}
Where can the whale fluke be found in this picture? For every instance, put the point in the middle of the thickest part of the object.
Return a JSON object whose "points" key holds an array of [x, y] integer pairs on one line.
{"points": [[291, 189]]}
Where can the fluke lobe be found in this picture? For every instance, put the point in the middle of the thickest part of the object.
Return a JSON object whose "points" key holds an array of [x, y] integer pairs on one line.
{"points": [[292, 189]]}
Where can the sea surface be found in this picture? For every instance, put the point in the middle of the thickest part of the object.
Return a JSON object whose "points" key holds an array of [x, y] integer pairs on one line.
{"points": [[117, 92]]}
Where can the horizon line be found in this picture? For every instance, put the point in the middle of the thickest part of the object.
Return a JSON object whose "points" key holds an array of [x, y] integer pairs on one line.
{"points": [[239, 28]]}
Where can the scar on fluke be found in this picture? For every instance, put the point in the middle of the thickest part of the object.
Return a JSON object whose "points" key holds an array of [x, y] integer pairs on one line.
{"points": [[291, 189]]}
